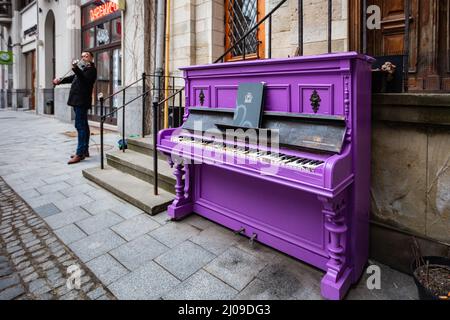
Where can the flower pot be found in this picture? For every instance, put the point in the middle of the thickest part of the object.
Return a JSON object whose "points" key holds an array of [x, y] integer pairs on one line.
{"points": [[424, 292]]}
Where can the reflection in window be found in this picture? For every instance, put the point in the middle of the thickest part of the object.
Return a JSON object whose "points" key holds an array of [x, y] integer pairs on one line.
{"points": [[117, 74], [103, 34], [89, 38], [116, 30]]}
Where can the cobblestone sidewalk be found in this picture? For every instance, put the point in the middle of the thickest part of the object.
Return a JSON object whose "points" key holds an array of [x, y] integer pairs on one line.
{"points": [[33, 261]]}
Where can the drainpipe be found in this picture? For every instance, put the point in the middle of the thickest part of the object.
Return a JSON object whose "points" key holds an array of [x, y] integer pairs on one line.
{"points": [[166, 79], [36, 94], [159, 54]]}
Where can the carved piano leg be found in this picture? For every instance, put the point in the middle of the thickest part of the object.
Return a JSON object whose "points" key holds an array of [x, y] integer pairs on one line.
{"points": [[182, 205], [338, 280]]}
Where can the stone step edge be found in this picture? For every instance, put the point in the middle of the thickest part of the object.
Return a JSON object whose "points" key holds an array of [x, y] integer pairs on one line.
{"points": [[114, 158], [90, 175]]}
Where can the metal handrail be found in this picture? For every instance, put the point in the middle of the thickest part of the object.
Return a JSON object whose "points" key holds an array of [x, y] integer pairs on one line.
{"points": [[156, 106], [121, 90], [126, 104], [171, 97], [140, 79], [269, 15]]}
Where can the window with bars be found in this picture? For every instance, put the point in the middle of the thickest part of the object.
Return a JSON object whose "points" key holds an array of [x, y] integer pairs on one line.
{"points": [[240, 17]]}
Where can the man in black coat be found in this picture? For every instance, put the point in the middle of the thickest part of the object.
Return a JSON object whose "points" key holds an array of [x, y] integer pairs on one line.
{"points": [[80, 98]]}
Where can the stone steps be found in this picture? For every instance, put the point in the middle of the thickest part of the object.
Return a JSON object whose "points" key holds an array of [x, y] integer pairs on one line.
{"points": [[131, 189], [141, 145], [140, 166]]}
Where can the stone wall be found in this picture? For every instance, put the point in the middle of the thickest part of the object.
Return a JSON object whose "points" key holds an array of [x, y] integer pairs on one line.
{"points": [[410, 174], [315, 15], [198, 30]]}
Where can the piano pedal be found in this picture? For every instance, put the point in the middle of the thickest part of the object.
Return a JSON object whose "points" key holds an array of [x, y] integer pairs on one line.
{"points": [[252, 240], [240, 232]]}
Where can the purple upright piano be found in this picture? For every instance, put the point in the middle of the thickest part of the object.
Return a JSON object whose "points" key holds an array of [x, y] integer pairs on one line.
{"points": [[311, 198]]}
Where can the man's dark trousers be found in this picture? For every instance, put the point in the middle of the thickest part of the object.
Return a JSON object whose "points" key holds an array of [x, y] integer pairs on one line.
{"points": [[82, 126]]}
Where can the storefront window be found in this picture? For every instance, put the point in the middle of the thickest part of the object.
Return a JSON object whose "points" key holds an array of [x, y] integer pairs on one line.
{"points": [[117, 74], [103, 36], [116, 30], [89, 38], [103, 72]]}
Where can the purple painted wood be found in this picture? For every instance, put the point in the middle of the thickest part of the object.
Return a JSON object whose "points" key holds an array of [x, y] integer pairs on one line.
{"points": [[320, 217]]}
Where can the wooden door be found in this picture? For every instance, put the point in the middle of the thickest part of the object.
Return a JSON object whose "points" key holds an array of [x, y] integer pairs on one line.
{"points": [[429, 39], [390, 39]]}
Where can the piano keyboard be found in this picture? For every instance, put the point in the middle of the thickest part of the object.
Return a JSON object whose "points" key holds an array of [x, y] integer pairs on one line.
{"points": [[293, 162]]}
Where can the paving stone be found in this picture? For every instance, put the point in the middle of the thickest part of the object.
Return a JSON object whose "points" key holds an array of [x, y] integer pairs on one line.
{"points": [[149, 282], [55, 179], [185, 259], [138, 252], [72, 202], [70, 234], [65, 218], [12, 293], [51, 188], [5, 272], [97, 293], [107, 269], [235, 267], [47, 210], [216, 239], [79, 189], [9, 281], [199, 222], [37, 284], [101, 206], [172, 234], [99, 222], [96, 245], [135, 227], [261, 290], [162, 218], [201, 286], [281, 280], [45, 199]]}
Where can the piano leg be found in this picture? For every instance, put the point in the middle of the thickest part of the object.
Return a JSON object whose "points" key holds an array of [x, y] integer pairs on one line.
{"points": [[182, 205], [338, 279]]}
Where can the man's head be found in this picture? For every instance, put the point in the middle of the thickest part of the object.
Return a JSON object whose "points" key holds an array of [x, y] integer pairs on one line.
{"points": [[87, 57]]}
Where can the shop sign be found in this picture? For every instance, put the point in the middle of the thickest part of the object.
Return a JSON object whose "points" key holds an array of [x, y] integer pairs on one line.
{"points": [[6, 57], [106, 8]]}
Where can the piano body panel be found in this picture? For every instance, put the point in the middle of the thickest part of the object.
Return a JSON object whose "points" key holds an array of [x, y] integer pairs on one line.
{"points": [[338, 168], [321, 217], [296, 224], [362, 150]]}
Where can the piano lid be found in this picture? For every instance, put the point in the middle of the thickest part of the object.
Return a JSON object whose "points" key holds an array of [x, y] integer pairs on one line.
{"points": [[319, 133]]}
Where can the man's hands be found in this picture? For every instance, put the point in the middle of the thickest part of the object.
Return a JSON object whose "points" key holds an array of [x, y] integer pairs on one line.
{"points": [[56, 82]]}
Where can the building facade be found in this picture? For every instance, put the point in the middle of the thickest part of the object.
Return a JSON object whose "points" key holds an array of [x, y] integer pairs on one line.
{"points": [[72, 26], [18, 35]]}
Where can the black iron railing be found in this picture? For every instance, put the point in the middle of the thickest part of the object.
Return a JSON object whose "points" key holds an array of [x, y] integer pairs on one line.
{"points": [[176, 108], [152, 90]]}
